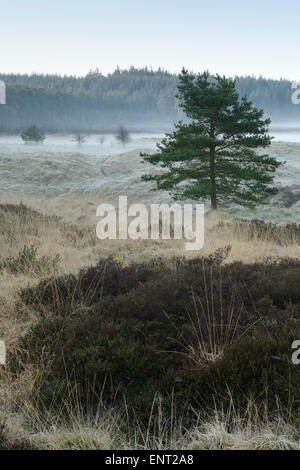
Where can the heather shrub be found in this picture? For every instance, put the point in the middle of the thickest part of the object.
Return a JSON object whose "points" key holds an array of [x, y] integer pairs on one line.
{"points": [[183, 334], [259, 367], [108, 277]]}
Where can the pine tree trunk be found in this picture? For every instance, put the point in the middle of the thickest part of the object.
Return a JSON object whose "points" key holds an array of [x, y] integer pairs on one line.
{"points": [[213, 203], [213, 194]]}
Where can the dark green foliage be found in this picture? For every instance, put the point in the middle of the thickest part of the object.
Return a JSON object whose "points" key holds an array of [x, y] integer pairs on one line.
{"points": [[33, 134], [138, 334], [215, 154], [108, 277], [89, 286], [259, 368]]}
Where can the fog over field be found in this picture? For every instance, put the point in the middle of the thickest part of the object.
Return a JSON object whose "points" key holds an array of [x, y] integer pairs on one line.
{"points": [[140, 98], [73, 183]]}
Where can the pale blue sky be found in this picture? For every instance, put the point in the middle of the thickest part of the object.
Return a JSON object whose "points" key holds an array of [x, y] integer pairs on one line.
{"points": [[231, 37]]}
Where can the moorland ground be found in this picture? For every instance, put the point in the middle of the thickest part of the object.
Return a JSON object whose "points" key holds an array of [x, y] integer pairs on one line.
{"points": [[139, 344]]}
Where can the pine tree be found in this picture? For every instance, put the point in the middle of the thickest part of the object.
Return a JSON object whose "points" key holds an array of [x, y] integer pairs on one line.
{"points": [[215, 154], [33, 134]]}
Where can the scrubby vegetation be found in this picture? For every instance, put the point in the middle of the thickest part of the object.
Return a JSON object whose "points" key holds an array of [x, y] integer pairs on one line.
{"points": [[256, 229], [178, 333], [28, 261], [152, 352]]}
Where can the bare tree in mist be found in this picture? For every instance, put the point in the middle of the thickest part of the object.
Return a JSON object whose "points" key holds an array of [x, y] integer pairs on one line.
{"points": [[79, 138]]}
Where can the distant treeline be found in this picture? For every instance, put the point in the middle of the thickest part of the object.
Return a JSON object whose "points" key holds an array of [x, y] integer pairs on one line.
{"points": [[137, 98]]}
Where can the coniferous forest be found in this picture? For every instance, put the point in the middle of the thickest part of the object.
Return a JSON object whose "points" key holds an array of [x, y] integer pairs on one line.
{"points": [[138, 98]]}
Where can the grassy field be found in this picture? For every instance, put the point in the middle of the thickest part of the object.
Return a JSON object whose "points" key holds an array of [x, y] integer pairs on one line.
{"points": [[136, 345]]}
